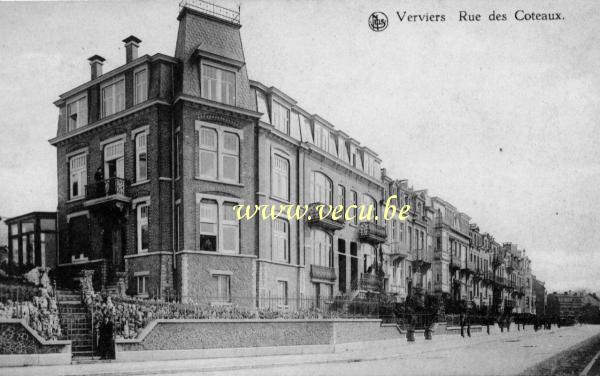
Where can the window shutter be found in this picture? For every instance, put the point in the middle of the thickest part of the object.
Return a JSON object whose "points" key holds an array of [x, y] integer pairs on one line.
{"points": [[197, 153]]}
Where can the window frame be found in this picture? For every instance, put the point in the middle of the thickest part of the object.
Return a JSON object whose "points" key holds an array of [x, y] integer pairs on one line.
{"points": [[281, 235], [218, 97], [278, 176], [220, 298], [139, 150], [140, 223], [220, 152], [136, 99], [112, 84], [281, 112], [327, 190], [82, 175], [221, 202], [80, 119]]}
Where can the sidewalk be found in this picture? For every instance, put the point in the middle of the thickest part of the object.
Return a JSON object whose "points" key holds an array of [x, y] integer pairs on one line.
{"points": [[364, 351]]}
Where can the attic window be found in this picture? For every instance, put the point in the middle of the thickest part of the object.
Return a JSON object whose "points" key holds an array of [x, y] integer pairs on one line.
{"points": [[218, 84]]}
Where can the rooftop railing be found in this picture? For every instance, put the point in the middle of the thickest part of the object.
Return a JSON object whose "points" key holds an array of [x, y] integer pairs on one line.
{"points": [[212, 9]]}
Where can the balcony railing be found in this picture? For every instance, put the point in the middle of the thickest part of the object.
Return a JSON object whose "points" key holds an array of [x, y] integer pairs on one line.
{"points": [[322, 272], [372, 232], [211, 9], [455, 263], [117, 187], [398, 250], [319, 214]]}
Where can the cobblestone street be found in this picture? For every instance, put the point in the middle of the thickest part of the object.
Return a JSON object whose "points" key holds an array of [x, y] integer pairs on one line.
{"points": [[501, 354]]}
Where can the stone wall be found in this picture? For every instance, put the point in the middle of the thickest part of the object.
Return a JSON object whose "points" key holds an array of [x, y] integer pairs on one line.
{"points": [[21, 346], [230, 334]]}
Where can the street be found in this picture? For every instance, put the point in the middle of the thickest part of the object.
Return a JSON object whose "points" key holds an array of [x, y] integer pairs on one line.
{"points": [[500, 354]]}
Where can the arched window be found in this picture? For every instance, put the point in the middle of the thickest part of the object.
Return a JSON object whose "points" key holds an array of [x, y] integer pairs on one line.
{"points": [[370, 202], [322, 248], [323, 189]]}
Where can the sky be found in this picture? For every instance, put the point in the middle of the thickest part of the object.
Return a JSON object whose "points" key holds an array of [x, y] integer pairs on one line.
{"points": [[498, 118]]}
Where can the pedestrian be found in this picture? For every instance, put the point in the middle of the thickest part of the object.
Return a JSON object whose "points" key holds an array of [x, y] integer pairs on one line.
{"points": [[105, 334], [501, 324], [487, 324], [508, 324], [462, 325], [468, 327]]}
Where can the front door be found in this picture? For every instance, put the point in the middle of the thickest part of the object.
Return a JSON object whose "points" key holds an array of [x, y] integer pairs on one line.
{"points": [[117, 246]]}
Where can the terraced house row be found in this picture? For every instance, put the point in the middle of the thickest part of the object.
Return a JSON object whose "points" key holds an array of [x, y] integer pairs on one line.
{"points": [[152, 157]]}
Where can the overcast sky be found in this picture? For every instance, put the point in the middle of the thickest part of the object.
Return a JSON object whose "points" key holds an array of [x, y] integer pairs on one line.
{"points": [[500, 119]]}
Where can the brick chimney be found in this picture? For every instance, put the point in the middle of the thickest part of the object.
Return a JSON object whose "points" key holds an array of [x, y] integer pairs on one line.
{"points": [[131, 48], [96, 62]]}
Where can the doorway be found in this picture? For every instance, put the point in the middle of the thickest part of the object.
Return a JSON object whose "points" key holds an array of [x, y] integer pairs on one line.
{"points": [[342, 265]]}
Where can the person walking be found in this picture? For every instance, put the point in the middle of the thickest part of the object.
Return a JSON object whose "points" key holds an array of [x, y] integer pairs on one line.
{"points": [[462, 325], [468, 326]]}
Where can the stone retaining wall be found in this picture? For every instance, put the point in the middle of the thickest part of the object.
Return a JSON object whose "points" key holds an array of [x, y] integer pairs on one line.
{"points": [[20, 345], [181, 339]]}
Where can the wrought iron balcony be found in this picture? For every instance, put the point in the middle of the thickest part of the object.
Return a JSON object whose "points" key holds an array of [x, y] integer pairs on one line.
{"points": [[372, 232], [488, 277], [109, 190], [319, 214], [421, 258], [455, 263], [322, 272]]}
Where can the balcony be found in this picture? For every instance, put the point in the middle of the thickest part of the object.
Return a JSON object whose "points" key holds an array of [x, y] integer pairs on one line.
{"points": [[398, 250], [109, 191], [487, 277], [322, 273], [372, 233], [455, 263], [421, 259], [500, 281], [320, 215]]}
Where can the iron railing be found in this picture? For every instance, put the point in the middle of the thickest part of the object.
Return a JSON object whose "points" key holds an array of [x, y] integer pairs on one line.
{"points": [[372, 232], [212, 9], [106, 188]]}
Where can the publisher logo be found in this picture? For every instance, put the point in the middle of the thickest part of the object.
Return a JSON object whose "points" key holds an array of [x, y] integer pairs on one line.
{"points": [[378, 21]]}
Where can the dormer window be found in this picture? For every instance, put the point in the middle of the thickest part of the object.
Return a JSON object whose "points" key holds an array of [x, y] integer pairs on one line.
{"points": [[77, 113], [113, 97], [218, 84], [281, 118], [140, 82]]}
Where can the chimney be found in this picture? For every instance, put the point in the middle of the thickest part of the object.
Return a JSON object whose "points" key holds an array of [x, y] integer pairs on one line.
{"points": [[96, 62], [131, 48]]}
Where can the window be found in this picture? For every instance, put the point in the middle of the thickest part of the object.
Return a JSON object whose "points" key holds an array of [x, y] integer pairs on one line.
{"points": [[208, 153], [281, 118], [368, 252], [77, 114], [322, 250], [223, 288], [341, 193], [178, 155], [143, 236], [231, 229], [394, 230], [369, 203], [281, 239], [282, 292], [140, 79], [230, 157], [79, 239], [281, 177], [78, 175], [261, 106], [216, 147], [141, 156], [15, 250], [208, 225], [323, 189], [218, 85], [354, 198], [113, 98], [47, 247], [177, 225], [141, 284]]}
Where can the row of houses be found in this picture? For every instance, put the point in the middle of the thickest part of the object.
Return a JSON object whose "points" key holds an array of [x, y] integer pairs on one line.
{"points": [[152, 157]]}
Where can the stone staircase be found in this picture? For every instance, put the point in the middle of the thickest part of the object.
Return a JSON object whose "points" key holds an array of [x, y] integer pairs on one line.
{"points": [[76, 322]]}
